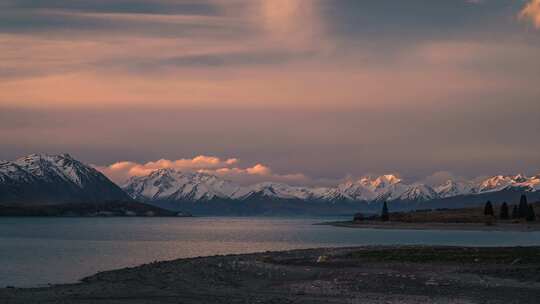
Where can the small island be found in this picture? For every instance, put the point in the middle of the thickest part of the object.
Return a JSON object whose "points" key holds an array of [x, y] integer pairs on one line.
{"points": [[501, 217]]}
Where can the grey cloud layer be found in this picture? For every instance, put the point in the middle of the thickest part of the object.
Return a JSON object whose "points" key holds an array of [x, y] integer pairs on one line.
{"points": [[452, 85]]}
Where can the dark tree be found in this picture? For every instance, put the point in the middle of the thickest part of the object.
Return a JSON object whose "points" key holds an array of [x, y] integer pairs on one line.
{"points": [[504, 211], [515, 212], [384, 213], [358, 217], [531, 215], [488, 209], [523, 207]]}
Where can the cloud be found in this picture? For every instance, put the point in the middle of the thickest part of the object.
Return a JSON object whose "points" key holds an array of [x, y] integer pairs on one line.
{"points": [[531, 12], [440, 177], [219, 74], [199, 7], [238, 54], [259, 173], [122, 170], [119, 172]]}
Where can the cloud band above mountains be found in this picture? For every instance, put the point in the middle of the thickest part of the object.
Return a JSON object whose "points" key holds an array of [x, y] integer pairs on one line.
{"points": [[229, 168]]}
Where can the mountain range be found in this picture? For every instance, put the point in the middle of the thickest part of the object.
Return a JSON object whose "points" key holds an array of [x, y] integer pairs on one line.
{"points": [[41, 179], [172, 185]]}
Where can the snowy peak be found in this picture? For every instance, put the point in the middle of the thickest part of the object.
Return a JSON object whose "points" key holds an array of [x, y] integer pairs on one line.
{"points": [[331, 195], [170, 184], [501, 182], [385, 187], [491, 184], [44, 178], [380, 182], [173, 185], [63, 166], [495, 183], [528, 183], [418, 192], [385, 181], [520, 178], [453, 188], [277, 190], [534, 183], [360, 191]]}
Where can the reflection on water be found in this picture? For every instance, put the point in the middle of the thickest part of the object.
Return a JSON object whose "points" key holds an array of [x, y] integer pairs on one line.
{"points": [[37, 251]]}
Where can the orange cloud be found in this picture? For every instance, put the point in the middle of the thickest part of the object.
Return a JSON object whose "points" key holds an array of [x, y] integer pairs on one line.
{"points": [[531, 12], [259, 169], [120, 171]]}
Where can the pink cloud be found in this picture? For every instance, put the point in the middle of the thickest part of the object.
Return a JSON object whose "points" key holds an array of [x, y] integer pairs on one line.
{"points": [[259, 169], [122, 170], [531, 12], [119, 172]]}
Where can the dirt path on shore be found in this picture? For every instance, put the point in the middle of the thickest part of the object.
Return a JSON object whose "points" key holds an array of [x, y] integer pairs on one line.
{"points": [[410, 274]]}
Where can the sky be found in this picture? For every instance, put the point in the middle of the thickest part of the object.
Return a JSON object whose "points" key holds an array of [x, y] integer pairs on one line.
{"points": [[298, 91]]}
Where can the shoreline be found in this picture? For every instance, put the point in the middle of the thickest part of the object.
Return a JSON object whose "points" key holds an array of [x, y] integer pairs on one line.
{"points": [[520, 227], [368, 274]]}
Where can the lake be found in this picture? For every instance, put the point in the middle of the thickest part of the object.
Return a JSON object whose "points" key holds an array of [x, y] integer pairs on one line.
{"points": [[39, 251]]}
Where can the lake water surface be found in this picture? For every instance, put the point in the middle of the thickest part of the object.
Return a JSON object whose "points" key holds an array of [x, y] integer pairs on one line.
{"points": [[38, 251]]}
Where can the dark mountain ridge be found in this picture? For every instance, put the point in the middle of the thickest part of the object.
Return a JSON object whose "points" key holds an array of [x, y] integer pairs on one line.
{"points": [[41, 179]]}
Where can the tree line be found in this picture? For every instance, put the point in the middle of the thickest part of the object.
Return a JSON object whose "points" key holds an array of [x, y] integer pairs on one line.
{"points": [[523, 210]]}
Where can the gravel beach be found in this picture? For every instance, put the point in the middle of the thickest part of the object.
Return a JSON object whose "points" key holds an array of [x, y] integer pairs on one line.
{"points": [[404, 274]]}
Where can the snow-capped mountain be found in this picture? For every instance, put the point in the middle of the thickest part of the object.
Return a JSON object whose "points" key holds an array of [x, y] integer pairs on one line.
{"points": [[387, 188], [504, 182], [276, 190], [50, 179], [533, 183], [498, 183], [358, 191], [454, 188], [172, 185], [417, 192]]}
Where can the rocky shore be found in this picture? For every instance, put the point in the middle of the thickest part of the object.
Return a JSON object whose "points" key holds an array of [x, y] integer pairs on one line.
{"points": [[411, 274]]}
